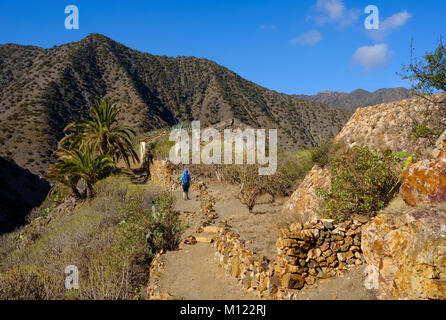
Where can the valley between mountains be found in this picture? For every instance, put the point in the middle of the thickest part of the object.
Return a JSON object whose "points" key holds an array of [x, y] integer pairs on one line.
{"points": [[356, 209]]}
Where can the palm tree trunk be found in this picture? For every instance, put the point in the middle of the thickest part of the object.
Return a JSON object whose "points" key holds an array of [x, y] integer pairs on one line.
{"points": [[75, 192], [90, 190]]}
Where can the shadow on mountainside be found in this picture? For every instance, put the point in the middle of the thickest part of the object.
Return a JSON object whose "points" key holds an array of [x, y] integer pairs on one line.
{"points": [[20, 192]]}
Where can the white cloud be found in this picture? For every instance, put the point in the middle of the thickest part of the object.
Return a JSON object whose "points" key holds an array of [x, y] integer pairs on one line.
{"points": [[335, 11], [309, 38], [395, 21], [334, 8], [373, 56]]}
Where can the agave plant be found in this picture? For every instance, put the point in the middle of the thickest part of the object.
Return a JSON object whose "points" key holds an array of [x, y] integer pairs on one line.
{"points": [[104, 130]]}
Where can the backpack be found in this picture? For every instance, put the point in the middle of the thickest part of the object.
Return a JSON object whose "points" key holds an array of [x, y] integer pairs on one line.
{"points": [[185, 178]]}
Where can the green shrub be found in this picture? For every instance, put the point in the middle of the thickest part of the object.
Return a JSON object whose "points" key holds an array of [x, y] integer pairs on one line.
{"points": [[159, 149], [291, 170], [361, 181], [166, 228], [424, 131]]}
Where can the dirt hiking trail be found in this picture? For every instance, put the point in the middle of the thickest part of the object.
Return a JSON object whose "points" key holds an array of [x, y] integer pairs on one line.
{"points": [[193, 272]]}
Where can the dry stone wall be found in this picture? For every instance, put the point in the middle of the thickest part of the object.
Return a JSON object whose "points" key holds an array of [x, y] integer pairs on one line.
{"points": [[241, 263], [163, 172], [166, 174], [306, 253], [318, 249]]}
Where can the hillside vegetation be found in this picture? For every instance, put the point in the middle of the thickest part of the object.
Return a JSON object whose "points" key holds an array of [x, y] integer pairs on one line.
{"points": [[111, 239], [109, 231]]}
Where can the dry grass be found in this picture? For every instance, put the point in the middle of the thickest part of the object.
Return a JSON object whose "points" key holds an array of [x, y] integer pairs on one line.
{"points": [[396, 206], [261, 229]]}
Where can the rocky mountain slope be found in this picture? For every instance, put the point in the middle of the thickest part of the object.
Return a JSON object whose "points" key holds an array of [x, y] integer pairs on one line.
{"points": [[384, 126], [358, 98], [42, 90]]}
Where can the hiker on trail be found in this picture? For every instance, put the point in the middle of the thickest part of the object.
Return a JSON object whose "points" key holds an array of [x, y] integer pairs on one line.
{"points": [[185, 181]]}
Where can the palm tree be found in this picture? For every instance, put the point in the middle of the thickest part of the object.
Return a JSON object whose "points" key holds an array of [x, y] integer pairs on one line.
{"points": [[104, 129], [56, 174], [81, 162], [85, 163]]}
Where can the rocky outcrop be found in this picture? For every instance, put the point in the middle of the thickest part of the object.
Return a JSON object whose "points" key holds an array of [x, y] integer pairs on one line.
{"points": [[406, 251], [424, 183], [389, 126], [384, 126], [406, 254], [304, 200]]}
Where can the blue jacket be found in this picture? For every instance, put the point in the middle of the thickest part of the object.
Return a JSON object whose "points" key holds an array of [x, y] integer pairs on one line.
{"points": [[185, 178]]}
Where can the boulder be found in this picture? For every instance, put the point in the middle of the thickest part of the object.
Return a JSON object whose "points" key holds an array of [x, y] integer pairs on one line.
{"points": [[406, 253], [425, 182], [304, 200]]}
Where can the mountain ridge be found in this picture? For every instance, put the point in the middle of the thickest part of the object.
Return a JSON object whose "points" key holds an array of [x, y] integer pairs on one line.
{"points": [[42, 90], [359, 97]]}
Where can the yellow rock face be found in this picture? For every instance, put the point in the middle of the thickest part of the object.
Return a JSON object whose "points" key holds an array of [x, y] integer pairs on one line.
{"points": [[409, 252], [425, 182]]}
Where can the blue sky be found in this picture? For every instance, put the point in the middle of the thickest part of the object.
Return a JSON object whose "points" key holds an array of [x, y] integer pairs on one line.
{"points": [[300, 46]]}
